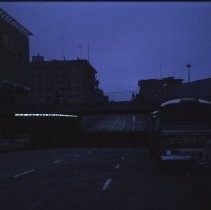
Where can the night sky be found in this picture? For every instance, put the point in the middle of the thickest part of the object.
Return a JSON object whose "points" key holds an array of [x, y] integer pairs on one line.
{"points": [[128, 41]]}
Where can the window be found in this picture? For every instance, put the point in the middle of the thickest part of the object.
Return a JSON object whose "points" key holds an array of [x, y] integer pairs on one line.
{"points": [[6, 40]]}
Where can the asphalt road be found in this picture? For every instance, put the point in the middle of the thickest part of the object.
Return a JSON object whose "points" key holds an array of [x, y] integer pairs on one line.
{"points": [[115, 123], [93, 179]]}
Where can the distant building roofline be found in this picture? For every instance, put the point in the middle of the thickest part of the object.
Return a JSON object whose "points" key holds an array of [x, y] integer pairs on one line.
{"points": [[34, 59], [7, 18], [198, 81], [163, 79], [40, 59]]}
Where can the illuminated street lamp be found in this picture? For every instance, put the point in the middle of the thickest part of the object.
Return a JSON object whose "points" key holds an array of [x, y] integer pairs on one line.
{"points": [[188, 66]]}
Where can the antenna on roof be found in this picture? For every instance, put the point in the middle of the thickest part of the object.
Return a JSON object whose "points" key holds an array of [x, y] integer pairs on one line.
{"points": [[79, 50], [62, 46], [88, 50], [161, 75]]}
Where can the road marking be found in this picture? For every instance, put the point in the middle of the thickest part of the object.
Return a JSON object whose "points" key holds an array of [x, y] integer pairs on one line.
{"points": [[24, 173], [57, 161], [106, 184], [77, 155], [122, 158], [117, 166]]}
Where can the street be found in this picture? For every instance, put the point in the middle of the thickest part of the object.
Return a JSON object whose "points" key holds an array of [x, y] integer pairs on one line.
{"points": [[92, 178]]}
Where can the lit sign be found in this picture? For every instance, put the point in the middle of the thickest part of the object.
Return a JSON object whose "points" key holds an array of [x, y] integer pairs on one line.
{"points": [[44, 115]]}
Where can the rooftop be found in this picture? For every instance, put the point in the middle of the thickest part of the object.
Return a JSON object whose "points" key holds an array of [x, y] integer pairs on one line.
{"points": [[7, 18]]}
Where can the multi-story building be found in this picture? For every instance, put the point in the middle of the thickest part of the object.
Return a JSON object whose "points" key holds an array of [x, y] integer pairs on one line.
{"points": [[60, 82], [157, 90], [195, 89], [14, 55], [40, 83], [14, 46]]}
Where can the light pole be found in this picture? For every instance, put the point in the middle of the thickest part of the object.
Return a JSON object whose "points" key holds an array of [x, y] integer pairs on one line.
{"points": [[188, 66]]}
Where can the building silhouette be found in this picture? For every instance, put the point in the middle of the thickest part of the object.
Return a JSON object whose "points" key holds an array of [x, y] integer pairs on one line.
{"points": [[58, 82], [195, 89], [14, 55], [156, 91], [40, 85]]}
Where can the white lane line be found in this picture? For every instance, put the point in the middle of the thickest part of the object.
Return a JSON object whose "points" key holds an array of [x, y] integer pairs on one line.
{"points": [[77, 155], [23, 173], [57, 161], [122, 158], [106, 184], [117, 166]]}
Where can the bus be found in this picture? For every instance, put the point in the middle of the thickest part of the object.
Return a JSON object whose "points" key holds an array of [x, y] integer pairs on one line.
{"points": [[182, 129]]}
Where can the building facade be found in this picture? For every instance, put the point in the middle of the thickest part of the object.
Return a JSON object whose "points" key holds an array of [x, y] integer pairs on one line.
{"points": [[45, 85], [195, 89], [156, 91], [14, 47], [14, 56], [59, 82]]}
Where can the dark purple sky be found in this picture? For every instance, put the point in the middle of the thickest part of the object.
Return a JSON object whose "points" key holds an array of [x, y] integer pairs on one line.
{"points": [[128, 41]]}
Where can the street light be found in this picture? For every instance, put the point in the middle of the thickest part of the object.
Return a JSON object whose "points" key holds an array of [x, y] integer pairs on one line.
{"points": [[188, 66]]}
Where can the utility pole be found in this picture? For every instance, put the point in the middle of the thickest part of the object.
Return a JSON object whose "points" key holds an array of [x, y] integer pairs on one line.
{"points": [[88, 51], [189, 68], [161, 75], [62, 46], [80, 51]]}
